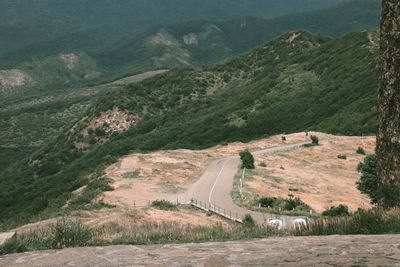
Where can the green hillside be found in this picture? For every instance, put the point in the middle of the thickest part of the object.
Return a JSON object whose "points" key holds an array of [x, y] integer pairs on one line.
{"points": [[295, 82], [28, 120]]}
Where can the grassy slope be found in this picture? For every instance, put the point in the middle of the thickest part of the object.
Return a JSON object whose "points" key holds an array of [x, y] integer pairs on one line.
{"points": [[282, 86]]}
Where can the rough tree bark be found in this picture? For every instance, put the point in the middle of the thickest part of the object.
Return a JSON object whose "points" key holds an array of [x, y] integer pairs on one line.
{"points": [[388, 137]]}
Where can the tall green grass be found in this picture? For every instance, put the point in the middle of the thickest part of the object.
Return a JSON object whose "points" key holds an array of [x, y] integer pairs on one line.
{"points": [[67, 233], [363, 222]]}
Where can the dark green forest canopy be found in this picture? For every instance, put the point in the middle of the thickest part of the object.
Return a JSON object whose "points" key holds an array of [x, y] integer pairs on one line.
{"points": [[295, 82], [36, 28], [89, 23]]}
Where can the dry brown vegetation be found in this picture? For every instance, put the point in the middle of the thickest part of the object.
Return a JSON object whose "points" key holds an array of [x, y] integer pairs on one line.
{"points": [[169, 174], [316, 175]]}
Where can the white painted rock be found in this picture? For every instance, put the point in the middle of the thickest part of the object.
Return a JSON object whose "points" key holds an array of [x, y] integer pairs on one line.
{"points": [[5, 236]]}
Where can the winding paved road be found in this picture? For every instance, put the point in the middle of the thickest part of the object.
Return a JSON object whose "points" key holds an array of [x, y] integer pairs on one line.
{"points": [[214, 187]]}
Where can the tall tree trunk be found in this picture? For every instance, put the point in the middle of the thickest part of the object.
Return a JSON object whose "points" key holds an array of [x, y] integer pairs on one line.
{"points": [[388, 137]]}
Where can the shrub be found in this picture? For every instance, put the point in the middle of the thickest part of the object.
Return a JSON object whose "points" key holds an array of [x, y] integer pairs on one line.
{"points": [[70, 234], [386, 195], [314, 140], [283, 138], [247, 159], [248, 220], [342, 157], [293, 203], [131, 175], [92, 140], [164, 205], [90, 131], [99, 132], [267, 201], [360, 150], [340, 210], [262, 164], [368, 183], [280, 204]]}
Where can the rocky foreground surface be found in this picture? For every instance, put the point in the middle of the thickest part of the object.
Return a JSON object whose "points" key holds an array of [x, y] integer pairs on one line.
{"points": [[382, 250]]}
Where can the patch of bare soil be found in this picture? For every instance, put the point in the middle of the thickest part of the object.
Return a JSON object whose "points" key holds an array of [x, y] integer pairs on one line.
{"points": [[316, 175]]}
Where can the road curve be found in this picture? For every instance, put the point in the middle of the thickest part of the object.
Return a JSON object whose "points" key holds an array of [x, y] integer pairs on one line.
{"points": [[214, 187]]}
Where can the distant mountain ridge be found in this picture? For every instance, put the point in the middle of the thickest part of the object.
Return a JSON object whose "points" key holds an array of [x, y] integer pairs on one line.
{"points": [[180, 44], [86, 24], [205, 42]]}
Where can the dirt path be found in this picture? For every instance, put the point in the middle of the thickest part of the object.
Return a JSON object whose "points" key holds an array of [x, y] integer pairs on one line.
{"points": [[379, 250]]}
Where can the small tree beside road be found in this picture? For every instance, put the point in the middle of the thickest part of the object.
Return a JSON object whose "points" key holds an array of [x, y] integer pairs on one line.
{"points": [[247, 159]]}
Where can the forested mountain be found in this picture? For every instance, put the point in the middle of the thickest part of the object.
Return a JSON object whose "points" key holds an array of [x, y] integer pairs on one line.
{"points": [[168, 46], [295, 82], [205, 42], [47, 27]]}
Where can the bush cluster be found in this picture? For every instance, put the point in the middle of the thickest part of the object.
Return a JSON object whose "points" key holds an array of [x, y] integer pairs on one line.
{"points": [[314, 141], [164, 205], [284, 204], [340, 210], [360, 150], [248, 220]]}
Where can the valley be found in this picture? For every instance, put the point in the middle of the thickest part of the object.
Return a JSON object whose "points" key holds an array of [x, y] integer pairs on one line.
{"points": [[281, 86]]}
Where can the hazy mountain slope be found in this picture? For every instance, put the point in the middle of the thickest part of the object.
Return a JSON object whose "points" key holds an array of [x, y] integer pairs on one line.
{"points": [[295, 82], [49, 73], [205, 42], [85, 24], [335, 21], [181, 44]]}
